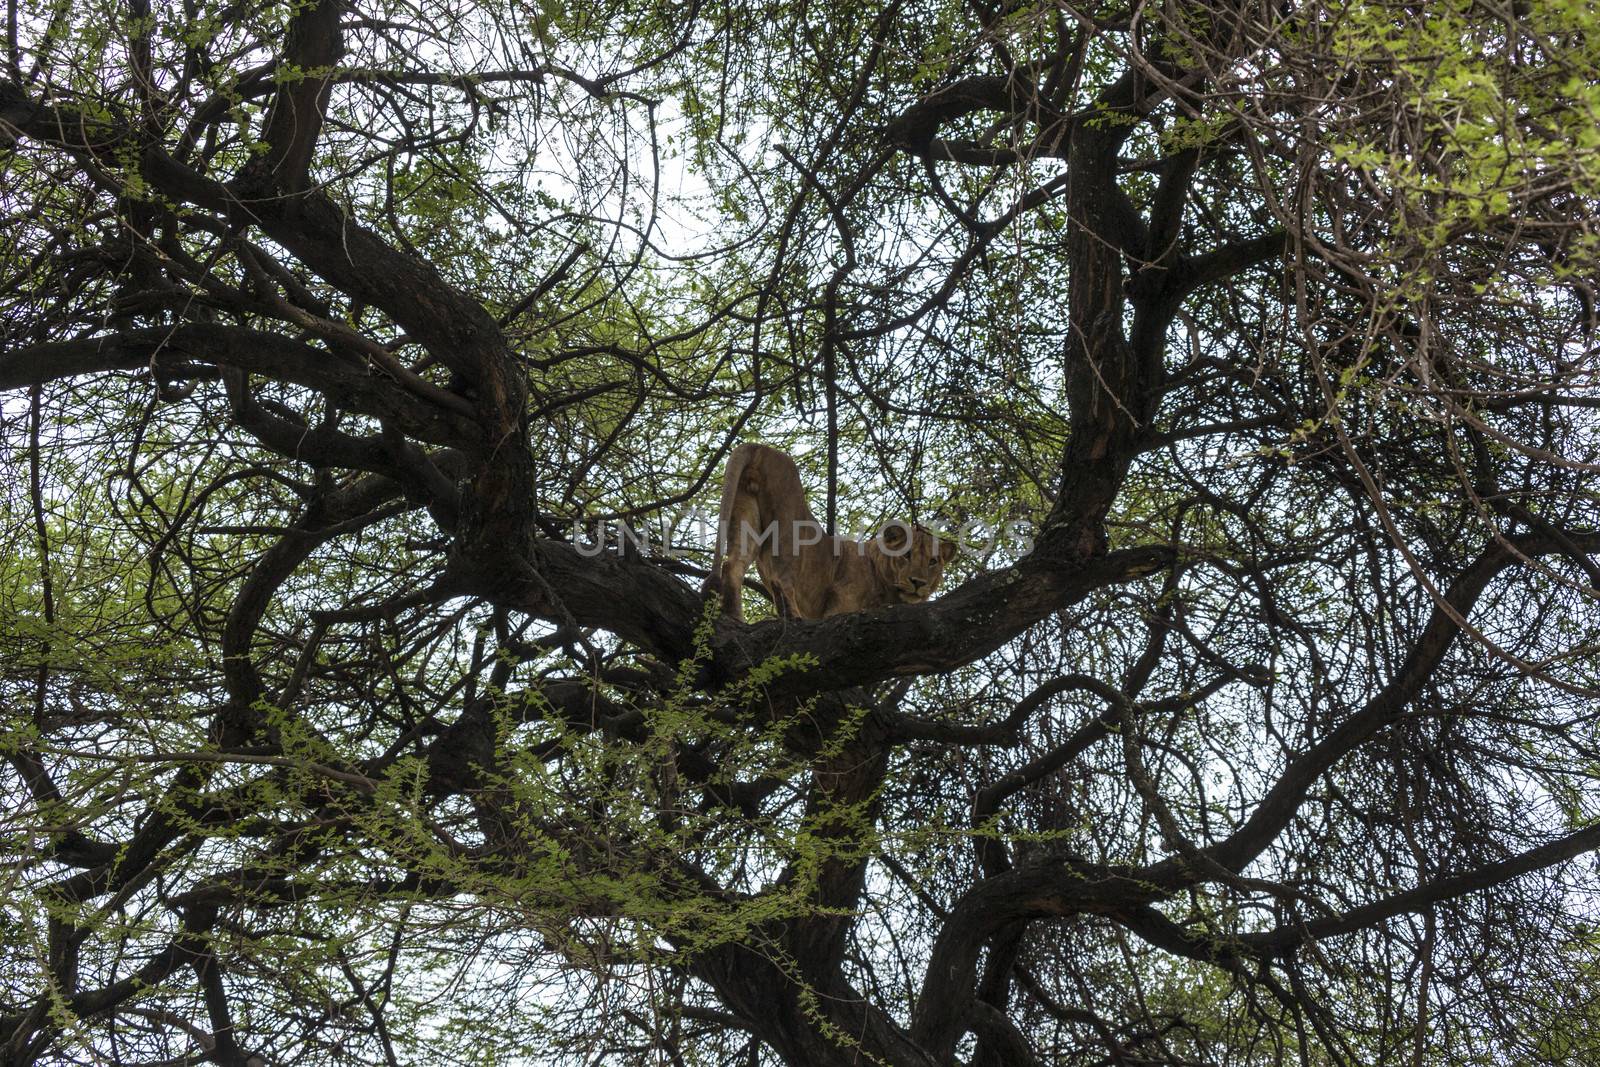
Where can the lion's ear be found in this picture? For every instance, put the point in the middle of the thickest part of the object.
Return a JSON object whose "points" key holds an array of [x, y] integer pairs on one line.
{"points": [[894, 535], [947, 548]]}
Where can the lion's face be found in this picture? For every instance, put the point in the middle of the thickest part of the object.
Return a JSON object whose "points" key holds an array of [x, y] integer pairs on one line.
{"points": [[912, 559]]}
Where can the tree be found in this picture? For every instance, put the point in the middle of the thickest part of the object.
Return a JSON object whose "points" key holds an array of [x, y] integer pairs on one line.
{"points": [[338, 332]]}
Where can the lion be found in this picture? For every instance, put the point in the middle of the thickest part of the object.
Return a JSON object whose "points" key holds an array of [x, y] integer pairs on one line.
{"points": [[810, 573]]}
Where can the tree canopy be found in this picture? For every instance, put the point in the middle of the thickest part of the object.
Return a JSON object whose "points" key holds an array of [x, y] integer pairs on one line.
{"points": [[344, 339]]}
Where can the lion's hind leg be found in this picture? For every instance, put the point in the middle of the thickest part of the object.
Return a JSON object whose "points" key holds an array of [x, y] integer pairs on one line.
{"points": [[742, 548], [730, 583], [784, 599]]}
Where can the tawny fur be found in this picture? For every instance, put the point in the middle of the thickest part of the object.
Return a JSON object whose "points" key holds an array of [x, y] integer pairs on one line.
{"points": [[810, 573]]}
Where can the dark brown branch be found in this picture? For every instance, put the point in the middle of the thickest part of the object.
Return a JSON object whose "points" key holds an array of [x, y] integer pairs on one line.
{"points": [[1412, 901], [1385, 707], [313, 46], [348, 380]]}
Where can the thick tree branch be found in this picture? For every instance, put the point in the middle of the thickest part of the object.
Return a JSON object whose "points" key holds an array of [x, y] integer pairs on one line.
{"points": [[350, 382], [313, 46]]}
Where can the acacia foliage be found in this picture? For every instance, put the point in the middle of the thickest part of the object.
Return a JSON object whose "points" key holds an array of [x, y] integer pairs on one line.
{"points": [[333, 329]]}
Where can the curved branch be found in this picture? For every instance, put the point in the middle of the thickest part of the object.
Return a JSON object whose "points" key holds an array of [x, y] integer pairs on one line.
{"points": [[348, 382], [1286, 938], [1387, 706]]}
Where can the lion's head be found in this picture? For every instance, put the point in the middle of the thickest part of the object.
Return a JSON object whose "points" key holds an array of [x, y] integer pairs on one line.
{"points": [[911, 560]]}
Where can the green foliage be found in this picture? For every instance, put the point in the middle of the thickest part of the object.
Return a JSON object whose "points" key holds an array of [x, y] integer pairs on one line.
{"points": [[275, 712]]}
